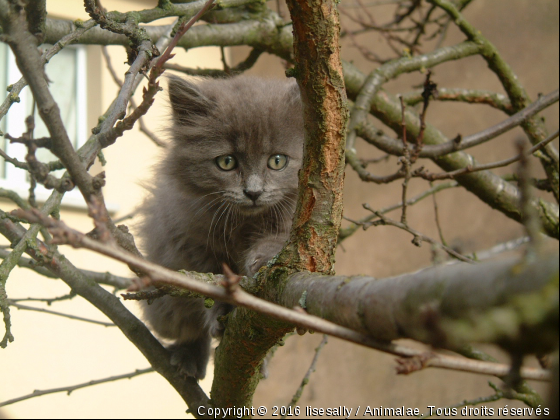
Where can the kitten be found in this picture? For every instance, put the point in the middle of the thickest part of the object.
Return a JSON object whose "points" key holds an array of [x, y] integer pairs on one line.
{"points": [[224, 193]]}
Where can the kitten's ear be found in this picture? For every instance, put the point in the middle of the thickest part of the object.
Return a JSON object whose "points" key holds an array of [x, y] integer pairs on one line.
{"points": [[293, 94], [187, 100]]}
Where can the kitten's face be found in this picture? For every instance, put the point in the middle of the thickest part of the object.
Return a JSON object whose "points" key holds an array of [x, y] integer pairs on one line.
{"points": [[237, 142]]}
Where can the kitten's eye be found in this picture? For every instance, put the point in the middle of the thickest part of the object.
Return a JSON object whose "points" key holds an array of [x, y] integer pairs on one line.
{"points": [[277, 162], [226, 162]]}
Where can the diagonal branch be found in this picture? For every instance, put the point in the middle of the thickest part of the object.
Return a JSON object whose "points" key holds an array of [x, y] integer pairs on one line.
{"points": [[376, 306], [533, 127]]}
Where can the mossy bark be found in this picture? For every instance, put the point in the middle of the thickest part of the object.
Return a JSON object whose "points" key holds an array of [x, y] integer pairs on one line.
{"points": [[249, 336], [319, 74]]}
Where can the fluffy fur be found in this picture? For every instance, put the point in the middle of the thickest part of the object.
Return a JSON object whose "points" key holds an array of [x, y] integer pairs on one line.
{"points": [[201, 215]]}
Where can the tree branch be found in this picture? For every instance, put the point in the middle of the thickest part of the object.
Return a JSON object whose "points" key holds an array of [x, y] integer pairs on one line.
{"points": [[470, 96], [428, 306], [490, 188], [375, 137], [432, 306], [69, 316], [72, 388], [533, 127]]}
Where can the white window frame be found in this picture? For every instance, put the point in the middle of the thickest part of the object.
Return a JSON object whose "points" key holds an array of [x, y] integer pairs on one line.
{"points": [[15, 179]]}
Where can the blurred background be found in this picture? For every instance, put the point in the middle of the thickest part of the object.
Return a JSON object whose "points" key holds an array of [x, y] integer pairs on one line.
{"points": [[51, 351]]}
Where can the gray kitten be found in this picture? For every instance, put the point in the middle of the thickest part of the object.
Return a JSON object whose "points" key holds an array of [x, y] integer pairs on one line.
{"points": [[224, 193]]}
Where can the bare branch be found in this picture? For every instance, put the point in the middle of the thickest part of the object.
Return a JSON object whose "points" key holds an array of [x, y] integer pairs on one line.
{"points": [[305, 379], [102, 278], [471, 96], [490, 188], [239, 68], [11, 302], [72, 388], [111, 306], [346, 232], [470, 169], [371, 85], [395, 147], [533, 127], [418, 237]]}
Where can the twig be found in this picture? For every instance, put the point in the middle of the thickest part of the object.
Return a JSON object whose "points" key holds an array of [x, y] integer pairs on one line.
{"points": [[143, 128], [500, 248], [239, 68], [346, 232], [365, 175], [490, 133], [48, 301], [406, 162], [529, 218], [38, 170], [482, 400], [305, 379], [13, 196], [470, 169], [6, 268], [102, 278], [112, 307], [384, 158], [72, 388], [392, 146], [392, 69], [438, 223], [418, 237], [69, 316], [533, 127], [125, 217], [183, 28], [31, 64], [14, 161], [471, 96], [17, 87], [110, 135]]}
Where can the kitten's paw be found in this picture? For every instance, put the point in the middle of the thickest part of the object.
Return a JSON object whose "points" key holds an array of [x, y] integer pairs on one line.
{"points": [[191, 358], [261, 252]]}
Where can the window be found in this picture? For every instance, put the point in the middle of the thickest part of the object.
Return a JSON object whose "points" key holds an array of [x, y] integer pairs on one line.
{"points": [[68, 84]]}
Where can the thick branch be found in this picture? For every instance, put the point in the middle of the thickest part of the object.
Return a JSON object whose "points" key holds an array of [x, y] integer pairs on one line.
{"points": [[428, 286], [445, 305], [319, 75], [269, 33]]}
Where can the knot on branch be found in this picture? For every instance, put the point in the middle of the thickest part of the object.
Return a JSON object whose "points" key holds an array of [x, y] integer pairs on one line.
{"points": [[231, 280], [409, 365]]}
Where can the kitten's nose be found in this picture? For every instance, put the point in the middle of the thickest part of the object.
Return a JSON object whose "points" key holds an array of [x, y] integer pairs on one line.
{"points": [[253, 195]]}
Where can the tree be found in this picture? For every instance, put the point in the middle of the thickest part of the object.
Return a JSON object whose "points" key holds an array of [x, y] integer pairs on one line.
{"points": [[430, 306]]}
